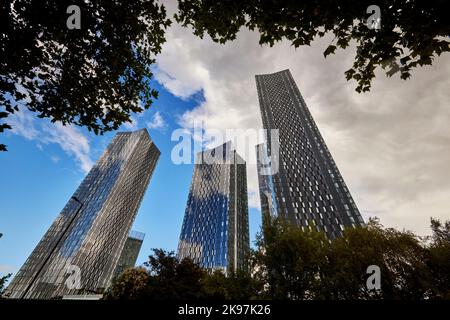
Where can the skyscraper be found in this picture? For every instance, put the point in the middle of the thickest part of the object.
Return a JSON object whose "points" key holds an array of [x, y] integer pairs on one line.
{"points": [[80, 251], [307, 189], [130, 252], [215, 226]]}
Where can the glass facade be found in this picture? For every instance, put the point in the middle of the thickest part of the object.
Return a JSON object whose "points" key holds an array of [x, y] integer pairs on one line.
{"points": [[308, 189], [266, 183], [215, 226], [81, 249], [130, 252]]}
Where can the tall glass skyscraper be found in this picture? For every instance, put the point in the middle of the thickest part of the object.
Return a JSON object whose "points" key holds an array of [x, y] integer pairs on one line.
{"points": [[81, 249], [307, 189], [215, 226]]}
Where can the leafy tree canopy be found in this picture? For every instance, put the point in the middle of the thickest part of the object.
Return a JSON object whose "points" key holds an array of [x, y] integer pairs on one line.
{"points": [[296, 264], [94, 76], [3, 281], [290, 263], [412, 32], [165, 277]]}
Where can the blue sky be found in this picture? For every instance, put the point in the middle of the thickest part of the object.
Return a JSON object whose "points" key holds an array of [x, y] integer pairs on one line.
{"points": [[38, 177]]}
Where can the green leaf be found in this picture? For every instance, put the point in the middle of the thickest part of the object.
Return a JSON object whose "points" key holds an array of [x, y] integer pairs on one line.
{"points": [[331, 49]]}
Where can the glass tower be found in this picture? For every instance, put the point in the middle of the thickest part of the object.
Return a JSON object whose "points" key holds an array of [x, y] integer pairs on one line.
{"points": [[307, 188], [130, 252], [215, 226], [81, 249]]}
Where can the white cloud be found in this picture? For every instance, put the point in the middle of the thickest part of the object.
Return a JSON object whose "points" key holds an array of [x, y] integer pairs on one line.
{"points": [[391, 145], [72, 141], [157, 122], [179, 87], [69, 138], [22, 123]]}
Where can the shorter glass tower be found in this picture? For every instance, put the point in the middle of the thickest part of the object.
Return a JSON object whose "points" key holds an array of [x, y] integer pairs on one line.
{"points": [[130, 252], [215, 226]]}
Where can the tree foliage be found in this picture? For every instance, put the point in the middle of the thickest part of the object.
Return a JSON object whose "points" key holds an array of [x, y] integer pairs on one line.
{"points": [[296, 264], [289, 263], [173, 279], [165, 277], [236, 286], [399, 255], [3, 281], [94, 76], [131, 284], [439, 258], [412, 33]]}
